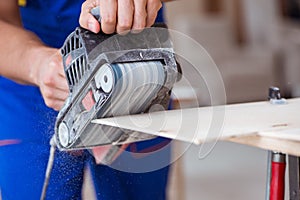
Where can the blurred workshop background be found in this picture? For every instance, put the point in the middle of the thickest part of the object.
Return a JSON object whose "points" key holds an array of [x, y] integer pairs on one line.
{"points": [[255, 44]]}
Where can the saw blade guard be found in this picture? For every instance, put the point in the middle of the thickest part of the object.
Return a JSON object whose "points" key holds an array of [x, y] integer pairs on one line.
{"points": [[113, 75]]}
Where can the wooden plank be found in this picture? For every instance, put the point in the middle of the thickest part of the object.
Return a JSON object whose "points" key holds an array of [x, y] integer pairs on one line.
{"points": [[199, 125], [290, 134], [268, 143]]}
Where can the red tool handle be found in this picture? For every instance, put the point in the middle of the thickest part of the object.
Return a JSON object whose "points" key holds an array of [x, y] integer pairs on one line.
{"points": [[277, 181]]}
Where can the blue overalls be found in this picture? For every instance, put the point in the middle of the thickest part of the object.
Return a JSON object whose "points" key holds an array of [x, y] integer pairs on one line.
{"points": [[26, 126]]}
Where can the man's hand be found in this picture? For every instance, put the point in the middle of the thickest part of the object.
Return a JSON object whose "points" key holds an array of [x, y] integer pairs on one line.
{"points": [[50, 77], [119, 16], [26, 60]]}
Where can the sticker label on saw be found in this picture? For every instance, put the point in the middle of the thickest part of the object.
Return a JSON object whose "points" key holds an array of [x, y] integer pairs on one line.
{"points": [[88, 101]]}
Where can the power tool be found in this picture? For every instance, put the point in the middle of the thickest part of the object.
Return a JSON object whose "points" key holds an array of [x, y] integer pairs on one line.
{"points": [[112, 75]]}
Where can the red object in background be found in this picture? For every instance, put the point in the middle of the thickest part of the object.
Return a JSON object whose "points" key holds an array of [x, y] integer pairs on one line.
{"points": [[9, 142], [277, 180]]}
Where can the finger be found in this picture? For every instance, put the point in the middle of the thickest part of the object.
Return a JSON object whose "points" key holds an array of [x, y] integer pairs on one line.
{"points": [[125, 15], [56, 105], [86, 19], [55, 88], [61, 95], [153, 7], [56, 62], [58, 81], [140, 15], [54, 102], [61, 70], [62, 73], [62, 84], [108, 10], [55, 94]]}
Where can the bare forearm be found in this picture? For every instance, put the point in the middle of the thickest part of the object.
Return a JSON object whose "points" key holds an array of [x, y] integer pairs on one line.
{"points": [[19, 53]]}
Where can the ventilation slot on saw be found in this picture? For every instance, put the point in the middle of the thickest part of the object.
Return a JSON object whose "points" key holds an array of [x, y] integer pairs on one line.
{"points": [[76, 70], [72, 44]]}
